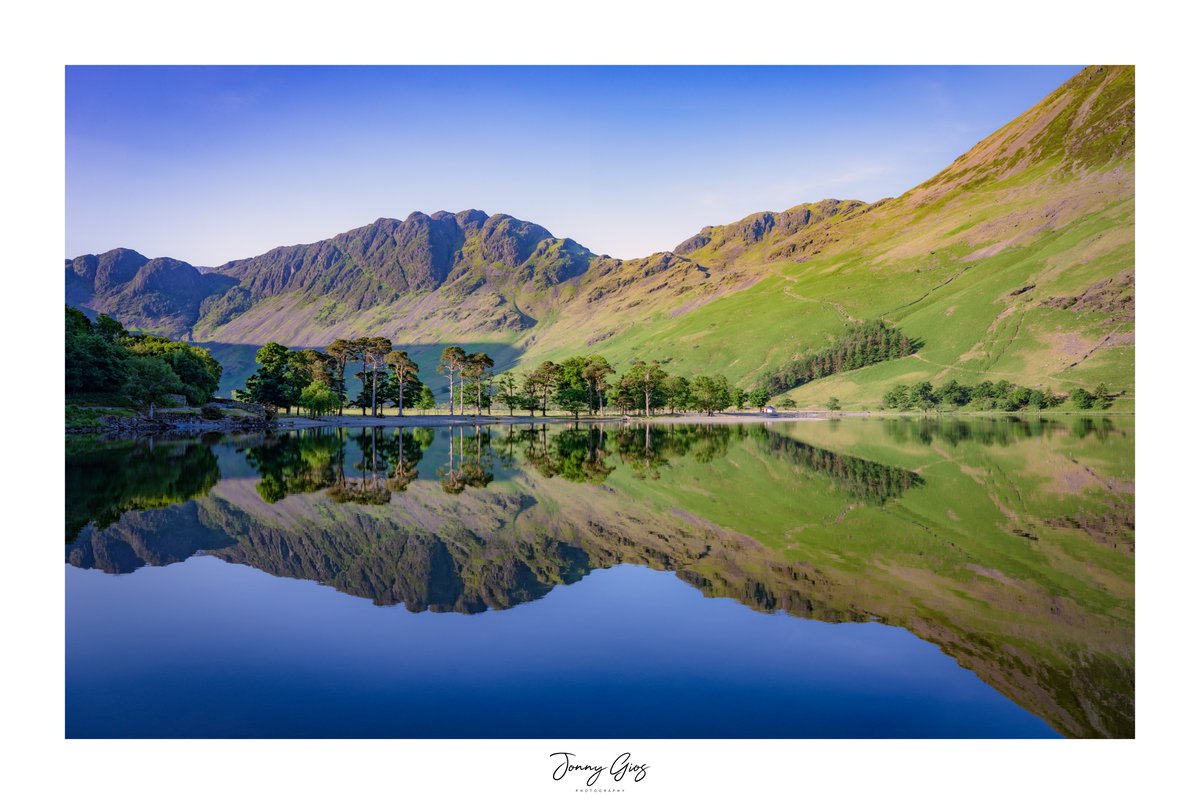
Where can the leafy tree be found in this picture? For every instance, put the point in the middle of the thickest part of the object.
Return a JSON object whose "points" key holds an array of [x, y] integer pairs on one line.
{"points": [[759, 397], [475, 369], [277, 383], [342, 351], [572, 399], [952, 393], [574, 391], [543, 382], [897, 397], [110, 329], [628, 393], [470, 391], [528, 395], [984, 390], [363, 400], [198, 371], [738, 397], [595, 372], [425, 399], [1103, 397], [507, 383], [405, 371], [318, 398], [710, 393], [411, 393], [94, 362], [986, 395], [197, 379], [647, 379], [1017, 398], [677, 393], [834, 403], [375, 352], [452, 361], [922, 395], [1083, 398], [150, 380]]}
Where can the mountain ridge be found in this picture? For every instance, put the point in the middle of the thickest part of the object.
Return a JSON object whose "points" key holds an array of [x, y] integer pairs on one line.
{"points": [[1043, 182]]}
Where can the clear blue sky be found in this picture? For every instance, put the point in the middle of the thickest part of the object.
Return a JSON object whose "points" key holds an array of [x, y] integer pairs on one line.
{"points": [[208, 164]]}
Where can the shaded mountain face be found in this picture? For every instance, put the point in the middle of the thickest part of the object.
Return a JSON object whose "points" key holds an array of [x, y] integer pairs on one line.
{"points": [[990, 263], [160, 294], [494, 259]]}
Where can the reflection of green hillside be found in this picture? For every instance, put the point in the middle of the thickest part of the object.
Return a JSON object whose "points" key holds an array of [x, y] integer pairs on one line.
{"points": [[1015, 555], [1007, 544]]}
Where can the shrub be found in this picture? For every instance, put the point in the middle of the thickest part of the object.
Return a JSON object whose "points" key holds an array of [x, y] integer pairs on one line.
{"points": [[81, 417], [211, 413]]}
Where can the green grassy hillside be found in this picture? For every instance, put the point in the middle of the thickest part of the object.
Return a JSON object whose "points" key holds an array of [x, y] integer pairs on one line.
{"points": [[1013, 263]]}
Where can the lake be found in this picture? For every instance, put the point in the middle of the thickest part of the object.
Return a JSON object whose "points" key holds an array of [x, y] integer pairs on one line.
{"points": [[880, 577]]}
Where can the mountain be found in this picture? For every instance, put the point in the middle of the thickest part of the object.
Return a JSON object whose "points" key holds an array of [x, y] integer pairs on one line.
{"points": [[1015, 262], [464, 271], [160, 294]]}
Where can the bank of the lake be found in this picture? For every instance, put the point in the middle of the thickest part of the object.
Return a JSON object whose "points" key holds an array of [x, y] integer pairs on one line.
{"points": [[125, 422]]}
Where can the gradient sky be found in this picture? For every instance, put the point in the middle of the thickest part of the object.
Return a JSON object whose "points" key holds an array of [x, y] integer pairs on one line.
{"points": [[209, 164]]}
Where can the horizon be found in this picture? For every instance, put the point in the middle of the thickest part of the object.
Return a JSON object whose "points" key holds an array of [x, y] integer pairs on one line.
{"points": [[208, 155]]}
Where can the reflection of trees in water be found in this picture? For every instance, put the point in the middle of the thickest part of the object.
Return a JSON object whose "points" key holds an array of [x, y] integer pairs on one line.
{"points": [[370, 485], [402, 452], [994, 431], [577, 454], [387, 459], [648, 448], [862, 479], [365, 465], [475, 458], [103, 484], [296, 463], [642, 449], [310, 460], [1085, 426], [580, 454]]}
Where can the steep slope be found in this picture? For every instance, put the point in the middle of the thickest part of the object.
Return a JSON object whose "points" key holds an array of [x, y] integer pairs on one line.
{"points": [[1015, 262], [462, 274]]}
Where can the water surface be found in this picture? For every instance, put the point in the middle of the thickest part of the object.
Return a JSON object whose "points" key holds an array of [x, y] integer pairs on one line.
{"points": [[878, 578]]}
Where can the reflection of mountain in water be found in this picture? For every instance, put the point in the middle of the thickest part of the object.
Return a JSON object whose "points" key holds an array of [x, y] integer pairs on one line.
{"points": [[103, 483], [494, 518]]}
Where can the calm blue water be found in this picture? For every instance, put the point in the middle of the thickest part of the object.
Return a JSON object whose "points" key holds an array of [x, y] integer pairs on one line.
{"points": [[205, 648]]}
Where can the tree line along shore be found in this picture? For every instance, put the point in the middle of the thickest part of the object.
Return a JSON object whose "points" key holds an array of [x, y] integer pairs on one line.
{"points": [[129, 374]]}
